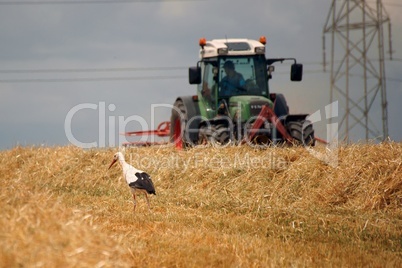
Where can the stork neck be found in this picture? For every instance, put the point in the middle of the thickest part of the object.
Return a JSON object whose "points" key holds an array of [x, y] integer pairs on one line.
{"points": [[122, 161]]}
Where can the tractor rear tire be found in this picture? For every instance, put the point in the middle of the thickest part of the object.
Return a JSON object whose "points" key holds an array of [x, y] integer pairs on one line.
{"points": [[184, 122], [302, 132], [281, 107], [177, 121]]}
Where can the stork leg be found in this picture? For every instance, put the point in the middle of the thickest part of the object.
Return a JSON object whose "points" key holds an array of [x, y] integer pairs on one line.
{"points": [[149, 206], [135, 202]]}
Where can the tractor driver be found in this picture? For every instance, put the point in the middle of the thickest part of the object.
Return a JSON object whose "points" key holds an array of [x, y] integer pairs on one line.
{"points": [[233, 81]]}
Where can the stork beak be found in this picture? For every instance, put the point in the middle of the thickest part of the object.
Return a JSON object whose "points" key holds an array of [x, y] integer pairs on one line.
{"points": [[111, 164]]}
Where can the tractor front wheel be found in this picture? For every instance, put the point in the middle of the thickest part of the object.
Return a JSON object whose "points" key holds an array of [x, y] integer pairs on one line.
{"points": [[221, 135], [217, 135], [302, 132]]}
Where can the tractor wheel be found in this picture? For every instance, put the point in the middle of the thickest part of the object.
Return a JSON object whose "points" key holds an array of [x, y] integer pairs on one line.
{"points": [[281, 108], [177, 121], [215, 134], [302, 132], [220, 135], [184, 122]]}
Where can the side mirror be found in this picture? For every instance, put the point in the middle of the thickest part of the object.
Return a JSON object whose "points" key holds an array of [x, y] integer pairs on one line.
{"points": [[194, 75], [296, 72]]}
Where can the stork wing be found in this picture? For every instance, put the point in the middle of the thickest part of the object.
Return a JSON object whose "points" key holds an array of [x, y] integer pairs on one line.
{"points": [[143, 182]]}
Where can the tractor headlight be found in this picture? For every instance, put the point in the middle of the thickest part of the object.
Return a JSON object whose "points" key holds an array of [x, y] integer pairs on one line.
{"points": [[259, 50], [223, 51]]}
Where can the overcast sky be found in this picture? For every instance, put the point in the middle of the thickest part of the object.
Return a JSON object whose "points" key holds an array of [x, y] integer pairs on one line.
{"points": [[103, 62]]}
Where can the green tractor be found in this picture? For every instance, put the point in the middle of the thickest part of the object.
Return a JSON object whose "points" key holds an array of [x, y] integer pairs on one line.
{"points": [[234, 104]]}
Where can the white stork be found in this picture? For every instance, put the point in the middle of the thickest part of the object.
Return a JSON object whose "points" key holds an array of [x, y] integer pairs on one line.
{"points": [[138, 180]]}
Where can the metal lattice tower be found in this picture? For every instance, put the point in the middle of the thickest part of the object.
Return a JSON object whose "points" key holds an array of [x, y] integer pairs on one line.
{"points": [[357, 67]]}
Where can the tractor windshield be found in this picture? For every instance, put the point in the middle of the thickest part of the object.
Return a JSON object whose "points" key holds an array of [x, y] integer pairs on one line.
{"points": [[242, 76]]}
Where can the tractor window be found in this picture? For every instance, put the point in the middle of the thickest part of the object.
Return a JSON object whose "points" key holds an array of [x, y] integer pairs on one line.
{"points": [[208, 87], [242, 76], [208, 80]]}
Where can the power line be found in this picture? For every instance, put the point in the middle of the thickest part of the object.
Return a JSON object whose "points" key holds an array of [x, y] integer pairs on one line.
{"points": [[75, 2], [127, 69], [131, 69], [156, 77], [93, 70], [98, 79]]}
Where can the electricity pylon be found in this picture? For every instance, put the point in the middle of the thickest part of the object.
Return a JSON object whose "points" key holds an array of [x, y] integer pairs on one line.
{"points": [[357, 67]]}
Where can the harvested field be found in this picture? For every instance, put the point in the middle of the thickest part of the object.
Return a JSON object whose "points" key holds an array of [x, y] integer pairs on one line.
{"points": [[229, 207]]}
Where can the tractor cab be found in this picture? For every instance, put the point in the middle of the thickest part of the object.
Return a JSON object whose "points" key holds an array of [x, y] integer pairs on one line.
{"points": [[225, 77], [234, 73]]}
